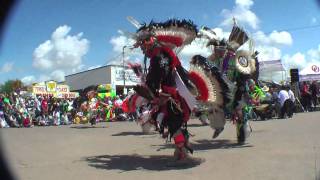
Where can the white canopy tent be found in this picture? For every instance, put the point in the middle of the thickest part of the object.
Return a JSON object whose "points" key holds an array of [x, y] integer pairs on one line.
{"points": [[310, 73], [272, 70], [313, 68]]}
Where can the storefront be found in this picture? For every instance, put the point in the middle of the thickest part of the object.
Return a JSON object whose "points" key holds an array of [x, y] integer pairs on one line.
{"points": [[118, 82], [110, 74]]}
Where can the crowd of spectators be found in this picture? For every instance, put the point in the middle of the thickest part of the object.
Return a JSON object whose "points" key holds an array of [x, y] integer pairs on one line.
{"points": [[26, 110], [309, 95], [284, 102]]}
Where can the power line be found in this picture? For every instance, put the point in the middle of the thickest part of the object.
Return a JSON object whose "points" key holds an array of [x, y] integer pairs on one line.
{"points": [[289, 30], [112, 59], [301, 28]]}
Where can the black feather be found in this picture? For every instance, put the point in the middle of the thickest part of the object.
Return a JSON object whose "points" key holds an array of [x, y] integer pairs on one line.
{"points": [[188, 24]]}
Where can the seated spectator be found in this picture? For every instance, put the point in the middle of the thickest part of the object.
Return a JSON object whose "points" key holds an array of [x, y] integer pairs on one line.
{"points": [[286, 103], [26, 120], [268, 96]]}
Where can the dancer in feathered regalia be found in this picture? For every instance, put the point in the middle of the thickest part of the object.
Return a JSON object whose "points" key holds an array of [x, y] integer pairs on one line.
{"points": [[168, 93], [224, 79], [165, 80]]}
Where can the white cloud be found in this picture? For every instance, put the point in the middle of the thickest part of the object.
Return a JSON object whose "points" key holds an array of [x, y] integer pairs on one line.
{"points": [[129, 58], [242, 13], [244, 3], [28, 80], [198, 46], [298, 60], [60, 55], [273, 39], [120, 41], [314, 54], [220, 33], [6, 67], [314, 20], [62, 51], [280, 38], [57, 75], [44, 77], [81, 67], [131, 55], [267, 53]]}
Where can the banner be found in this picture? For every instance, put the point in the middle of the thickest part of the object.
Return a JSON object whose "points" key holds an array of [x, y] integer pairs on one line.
{"points": [[51, 88], [62, 89], [38, 89], [68, 95]]}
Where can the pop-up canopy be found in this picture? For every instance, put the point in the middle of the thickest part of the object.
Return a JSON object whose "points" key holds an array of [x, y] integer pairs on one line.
{"points": [[313, 68], [310, 73], [271, 70]]}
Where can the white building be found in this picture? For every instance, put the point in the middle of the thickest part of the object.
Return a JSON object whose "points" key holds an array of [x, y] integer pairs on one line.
{"points": [[109, 74]]}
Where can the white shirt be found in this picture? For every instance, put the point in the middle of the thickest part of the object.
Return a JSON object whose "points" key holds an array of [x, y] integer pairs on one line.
{"points": [[283, 96], [291, 95]]}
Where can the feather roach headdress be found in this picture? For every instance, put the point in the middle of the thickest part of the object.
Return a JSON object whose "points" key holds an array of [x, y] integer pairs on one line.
{"points": [[172, 33], [237, 38]]}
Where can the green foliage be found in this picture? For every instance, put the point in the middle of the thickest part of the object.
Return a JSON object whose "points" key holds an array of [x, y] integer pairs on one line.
{"points": [[10, 86]]}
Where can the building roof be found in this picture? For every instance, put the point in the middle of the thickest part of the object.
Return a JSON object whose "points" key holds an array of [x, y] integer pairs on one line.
{"points": [[105, 66]]}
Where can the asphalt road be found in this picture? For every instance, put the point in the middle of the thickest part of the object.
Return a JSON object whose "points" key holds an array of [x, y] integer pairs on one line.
{"points": [[277, 149]]}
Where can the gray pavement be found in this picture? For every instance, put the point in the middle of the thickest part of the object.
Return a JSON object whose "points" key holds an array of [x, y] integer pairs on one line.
{"points": [[277, 149]]}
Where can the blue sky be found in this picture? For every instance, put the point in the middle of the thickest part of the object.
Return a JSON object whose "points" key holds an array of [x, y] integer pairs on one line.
{"points": [[86, 32]]}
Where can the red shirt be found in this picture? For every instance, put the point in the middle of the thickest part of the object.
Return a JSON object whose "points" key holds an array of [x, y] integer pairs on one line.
{"points": [[44, 105], [304, 90]]}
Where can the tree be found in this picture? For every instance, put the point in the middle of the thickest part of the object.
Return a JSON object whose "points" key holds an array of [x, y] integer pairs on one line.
{"points": [[17, 85], [11, 85]]}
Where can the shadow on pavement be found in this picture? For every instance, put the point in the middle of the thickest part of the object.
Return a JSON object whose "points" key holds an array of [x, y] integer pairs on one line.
{"points": [[139, 162], [128, 133], [197, 125], [87, 127], [217, 144], [203, 145]]}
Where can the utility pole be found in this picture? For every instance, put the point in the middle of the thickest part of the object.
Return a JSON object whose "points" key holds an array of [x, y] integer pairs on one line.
{"points": [[124, 71]]}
